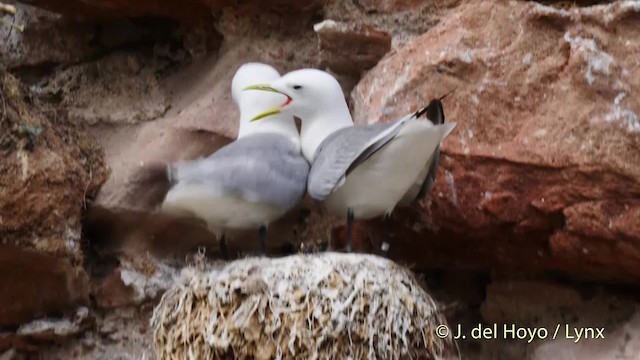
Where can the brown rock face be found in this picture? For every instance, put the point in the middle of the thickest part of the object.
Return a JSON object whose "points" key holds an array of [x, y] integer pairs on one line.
{"points": [[541, 171], [350, 49], [388, 5], [48, 37], [540, 176], [549, 306], [112, 292], [191, 9], [47, 169], [36, 285]]}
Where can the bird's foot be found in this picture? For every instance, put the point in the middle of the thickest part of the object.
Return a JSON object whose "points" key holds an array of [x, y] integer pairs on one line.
{"points": [[224, 252], [262, 238], [349, 246], [384, 249]]}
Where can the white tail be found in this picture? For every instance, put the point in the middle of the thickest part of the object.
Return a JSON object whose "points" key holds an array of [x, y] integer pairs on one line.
{"points": [[446, 129]]}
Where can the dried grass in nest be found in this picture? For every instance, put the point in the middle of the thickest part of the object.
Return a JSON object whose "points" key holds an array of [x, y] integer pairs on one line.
{"points": [[320, 306]]}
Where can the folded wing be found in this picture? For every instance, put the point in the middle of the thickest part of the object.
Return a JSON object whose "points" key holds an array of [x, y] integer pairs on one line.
{"points": [[344, 151], [261, 168]]}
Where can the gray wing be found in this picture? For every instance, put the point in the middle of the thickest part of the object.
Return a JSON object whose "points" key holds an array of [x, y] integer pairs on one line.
{"points": [[342, 152], [265, 168]]}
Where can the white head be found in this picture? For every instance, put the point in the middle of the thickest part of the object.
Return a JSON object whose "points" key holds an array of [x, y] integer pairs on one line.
{"points": [[316, 98], [251, 103]]}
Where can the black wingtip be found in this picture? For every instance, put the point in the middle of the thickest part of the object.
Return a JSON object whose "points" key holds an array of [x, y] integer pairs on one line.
{"points": [[447, 94], [434, 111], [422, 111]]}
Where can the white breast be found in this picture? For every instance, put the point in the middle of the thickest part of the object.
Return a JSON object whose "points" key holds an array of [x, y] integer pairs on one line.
{"points": [[218, 210]]}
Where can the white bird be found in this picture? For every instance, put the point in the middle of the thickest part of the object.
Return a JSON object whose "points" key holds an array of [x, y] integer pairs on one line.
{"points": [[252, 181], [364, 171]]}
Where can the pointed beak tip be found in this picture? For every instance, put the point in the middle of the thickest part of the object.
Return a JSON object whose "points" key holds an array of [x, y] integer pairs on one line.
{"points": [[265, 114]]}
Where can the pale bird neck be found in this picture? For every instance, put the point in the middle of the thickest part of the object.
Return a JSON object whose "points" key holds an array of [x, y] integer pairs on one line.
{"points": [[251, 104], [315, 129], [282, 125]]}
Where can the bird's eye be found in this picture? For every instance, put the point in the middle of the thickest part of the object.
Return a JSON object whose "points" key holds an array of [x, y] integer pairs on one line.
{"points": [[297, 87]]}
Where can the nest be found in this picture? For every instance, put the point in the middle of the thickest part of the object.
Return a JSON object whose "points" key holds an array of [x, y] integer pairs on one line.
{"points": [[321, 306]]}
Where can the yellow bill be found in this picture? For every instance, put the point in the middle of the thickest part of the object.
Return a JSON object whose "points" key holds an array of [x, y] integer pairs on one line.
{"points": [[265, 114], [262, 87], [273, 111]]}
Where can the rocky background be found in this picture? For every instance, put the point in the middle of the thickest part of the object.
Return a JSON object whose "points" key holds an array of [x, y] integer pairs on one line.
{"points": [[534, 218]]}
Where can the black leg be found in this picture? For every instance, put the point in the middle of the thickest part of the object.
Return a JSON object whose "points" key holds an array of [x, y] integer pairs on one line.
{"points": [[262, 237], [386, 238], [349, 229], [223, 248]]}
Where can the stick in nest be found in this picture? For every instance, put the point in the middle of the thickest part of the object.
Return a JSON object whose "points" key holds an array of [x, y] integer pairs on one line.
{"points": [[7, 9], [4, 109], [13, 25]]}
